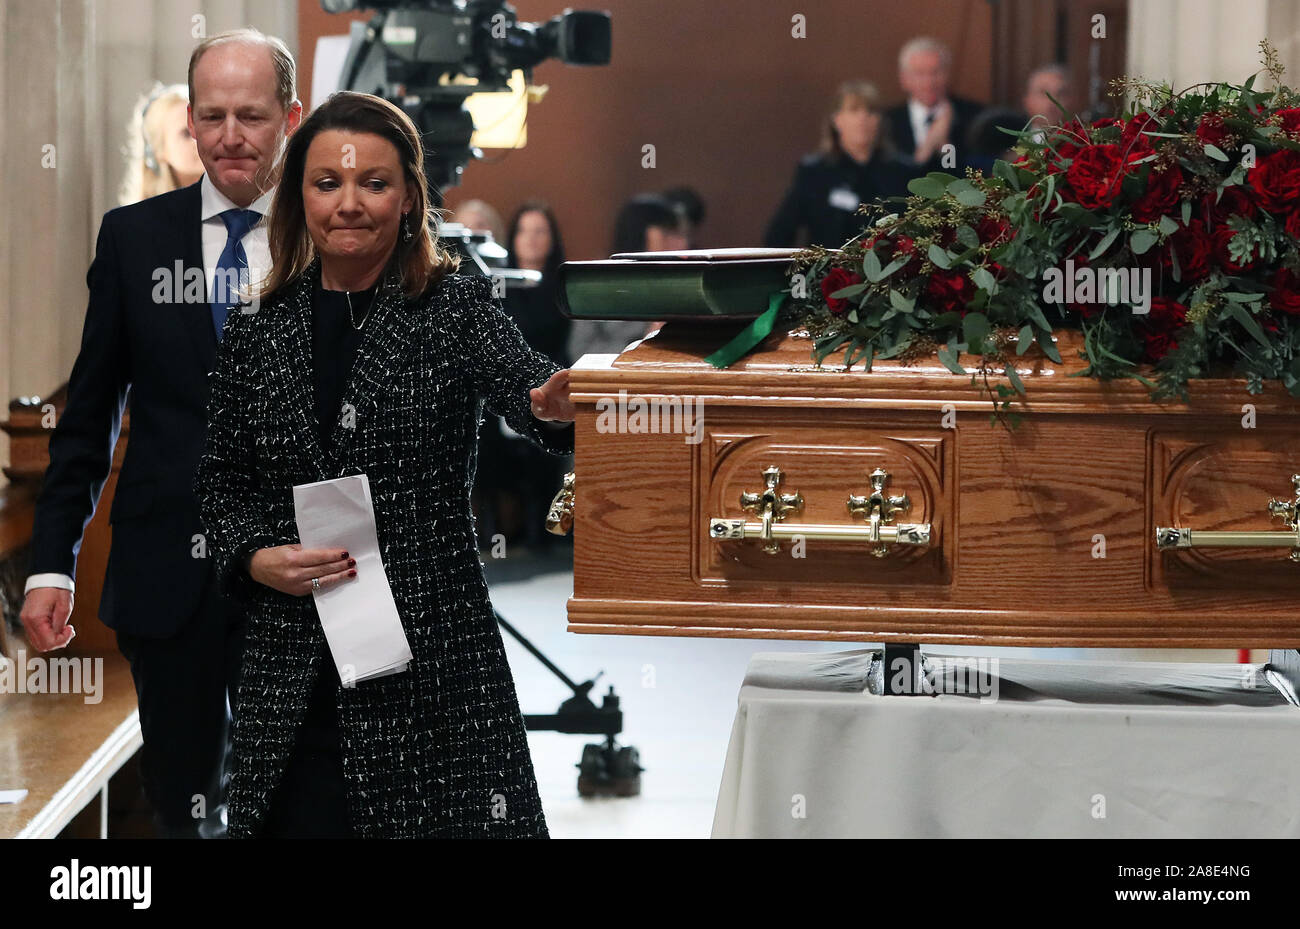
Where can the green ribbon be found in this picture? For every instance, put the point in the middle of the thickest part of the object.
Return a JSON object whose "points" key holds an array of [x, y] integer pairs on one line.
{"points": [[743, 343]]}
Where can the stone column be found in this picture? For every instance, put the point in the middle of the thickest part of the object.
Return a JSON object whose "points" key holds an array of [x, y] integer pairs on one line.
{"points": [[70, 72]]}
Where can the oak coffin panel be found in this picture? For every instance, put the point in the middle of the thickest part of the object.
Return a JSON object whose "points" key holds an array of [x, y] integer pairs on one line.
{"points": [[1041, 536]]}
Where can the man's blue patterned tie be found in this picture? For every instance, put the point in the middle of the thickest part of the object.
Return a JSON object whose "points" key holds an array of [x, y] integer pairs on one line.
{"points": [[232, 266]]}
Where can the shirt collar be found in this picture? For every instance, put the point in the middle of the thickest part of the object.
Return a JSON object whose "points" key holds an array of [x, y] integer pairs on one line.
{"points": [[215, 202], [918, 111]]}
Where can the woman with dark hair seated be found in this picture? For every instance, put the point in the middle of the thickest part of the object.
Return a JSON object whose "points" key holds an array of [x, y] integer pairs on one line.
{"points": [[516, 481], [366, 354], [646, 223], [534, 243]]}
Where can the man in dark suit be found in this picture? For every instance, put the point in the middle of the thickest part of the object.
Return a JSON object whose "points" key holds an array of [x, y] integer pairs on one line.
{"points": [[930, 118], [162, 284]]}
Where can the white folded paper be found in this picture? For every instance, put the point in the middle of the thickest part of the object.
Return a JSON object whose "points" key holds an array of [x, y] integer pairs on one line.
{"points": [[358, 615], [12, 796]]}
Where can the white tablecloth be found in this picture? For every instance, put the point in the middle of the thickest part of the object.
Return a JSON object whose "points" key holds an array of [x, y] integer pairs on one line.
{"points": [[1068, 749]]}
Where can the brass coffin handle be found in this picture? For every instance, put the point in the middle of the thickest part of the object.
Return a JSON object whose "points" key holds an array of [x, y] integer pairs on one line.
{"points": [[559, 519], [772, 507], [1169, 538]]}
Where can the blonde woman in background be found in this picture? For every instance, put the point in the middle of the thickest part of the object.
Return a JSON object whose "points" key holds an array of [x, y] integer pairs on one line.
{"points": [[160, 152]]}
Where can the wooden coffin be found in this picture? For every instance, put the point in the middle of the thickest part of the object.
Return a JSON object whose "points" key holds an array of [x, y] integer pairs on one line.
{"points": [[1041, 536]]}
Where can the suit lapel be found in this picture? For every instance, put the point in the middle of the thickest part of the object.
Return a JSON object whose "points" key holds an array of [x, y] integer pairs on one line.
{"points": [[187, 220]]}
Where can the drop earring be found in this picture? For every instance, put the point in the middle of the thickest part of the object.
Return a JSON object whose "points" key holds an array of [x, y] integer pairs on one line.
{"points": [[406, 227]]}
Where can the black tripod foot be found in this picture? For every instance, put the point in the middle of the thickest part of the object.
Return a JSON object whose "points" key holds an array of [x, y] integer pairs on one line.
{"points": [[609, 771]]}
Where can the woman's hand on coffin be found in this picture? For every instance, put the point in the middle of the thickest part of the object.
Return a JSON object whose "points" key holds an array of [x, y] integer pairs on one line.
{"points": [[551, 401]]}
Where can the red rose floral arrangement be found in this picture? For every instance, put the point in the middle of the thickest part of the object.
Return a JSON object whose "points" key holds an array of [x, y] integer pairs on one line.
{"points": [[1196, 192]]}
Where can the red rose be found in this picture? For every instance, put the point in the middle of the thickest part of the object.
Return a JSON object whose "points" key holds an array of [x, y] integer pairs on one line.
{"points": [[1129, 128], [1066, 149], [1275, 180], [1156, 345], [1286, 292], [1132, 140], [994, 230], [1095, 175], [1194, 249], [1166, 313], [1161, 194], [950, 291], [1223, 235], [1288, 119], [1292, 224], [905, 245], [838, 279], [1236, 201], [1160, 328], [1210, 130]]}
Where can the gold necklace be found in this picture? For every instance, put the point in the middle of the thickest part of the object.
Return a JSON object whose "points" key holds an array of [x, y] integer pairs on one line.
{"points": [[352, 317]]}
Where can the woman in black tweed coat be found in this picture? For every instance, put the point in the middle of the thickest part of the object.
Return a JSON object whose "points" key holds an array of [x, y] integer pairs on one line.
{"points": [[440, 749]]}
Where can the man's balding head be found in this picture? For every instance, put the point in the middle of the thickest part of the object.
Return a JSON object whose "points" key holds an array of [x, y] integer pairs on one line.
{"points": [[242, 108], [924, 67]]}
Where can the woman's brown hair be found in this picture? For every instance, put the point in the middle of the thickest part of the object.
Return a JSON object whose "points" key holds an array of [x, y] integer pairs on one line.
{"points": [[421, 262], [865, 93]]}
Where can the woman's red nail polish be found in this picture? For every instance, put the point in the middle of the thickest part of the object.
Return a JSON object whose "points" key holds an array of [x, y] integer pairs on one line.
{"points": [[344, 555], [352, 562], [352, 573]]}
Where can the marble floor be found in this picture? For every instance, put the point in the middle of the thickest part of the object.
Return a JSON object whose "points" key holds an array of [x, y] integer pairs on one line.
{"points": [[678, 698]]}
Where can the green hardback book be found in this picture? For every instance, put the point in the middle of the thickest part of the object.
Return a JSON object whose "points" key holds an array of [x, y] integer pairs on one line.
{"points": [[728, 283]]}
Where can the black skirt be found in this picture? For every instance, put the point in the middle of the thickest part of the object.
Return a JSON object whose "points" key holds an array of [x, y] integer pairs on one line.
{"points": [[312, 799]]}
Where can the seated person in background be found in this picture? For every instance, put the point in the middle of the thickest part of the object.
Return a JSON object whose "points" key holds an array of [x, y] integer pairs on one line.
{"points": [[930, 118], [515, 483], [534, 243], [479, 216], [646, 223], [690, 204], [856, 165], [988, 143], [1043, 84]]}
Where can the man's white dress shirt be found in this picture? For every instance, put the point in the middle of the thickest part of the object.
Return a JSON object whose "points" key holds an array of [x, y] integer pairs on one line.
{"points": [[919, 114]]}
